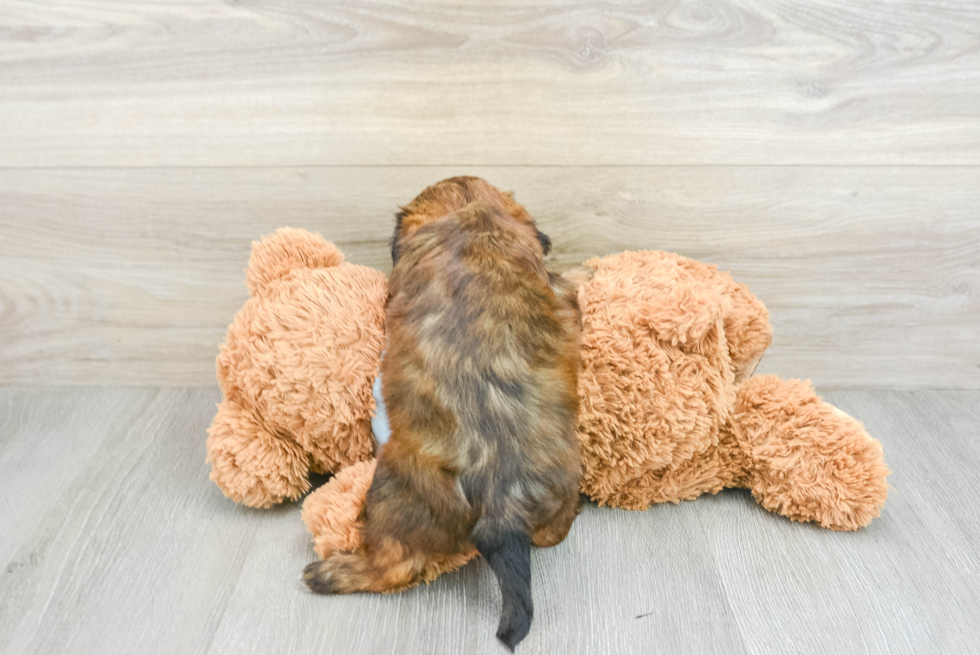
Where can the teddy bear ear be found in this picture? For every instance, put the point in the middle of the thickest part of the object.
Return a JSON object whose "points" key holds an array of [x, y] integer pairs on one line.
{"points": [[747, 329], [683, 315], [288, 249]]}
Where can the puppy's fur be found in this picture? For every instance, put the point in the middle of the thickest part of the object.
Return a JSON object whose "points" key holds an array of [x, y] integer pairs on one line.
{"points": [[479, 379]]}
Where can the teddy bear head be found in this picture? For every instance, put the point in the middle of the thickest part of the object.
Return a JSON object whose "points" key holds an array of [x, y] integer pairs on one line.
{"points": [[296, 370]]}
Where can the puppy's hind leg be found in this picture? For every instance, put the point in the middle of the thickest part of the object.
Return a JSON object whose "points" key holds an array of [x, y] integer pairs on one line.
{"points": [[554, 531], [413, 525], [389, 566]]}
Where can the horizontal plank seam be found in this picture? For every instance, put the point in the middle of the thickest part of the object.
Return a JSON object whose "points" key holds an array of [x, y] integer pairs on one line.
{"points": [[470, 165]]}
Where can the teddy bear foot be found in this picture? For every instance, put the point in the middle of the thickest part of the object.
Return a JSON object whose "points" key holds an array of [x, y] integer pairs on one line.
{"points": [[808, 460]]}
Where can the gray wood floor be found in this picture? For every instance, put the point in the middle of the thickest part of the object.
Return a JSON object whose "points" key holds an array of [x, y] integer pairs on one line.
{"points": [[112, 540]]}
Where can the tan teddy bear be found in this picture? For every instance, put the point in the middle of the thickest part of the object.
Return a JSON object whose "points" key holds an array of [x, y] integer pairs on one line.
{"points": [[296, 370]]}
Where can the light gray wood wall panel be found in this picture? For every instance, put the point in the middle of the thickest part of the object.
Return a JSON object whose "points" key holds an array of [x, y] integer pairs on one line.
{"points": [[130, 276], [110, 83]]}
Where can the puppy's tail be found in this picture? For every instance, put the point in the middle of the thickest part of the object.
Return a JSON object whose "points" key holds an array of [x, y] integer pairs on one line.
{"points": [[509, 556]]}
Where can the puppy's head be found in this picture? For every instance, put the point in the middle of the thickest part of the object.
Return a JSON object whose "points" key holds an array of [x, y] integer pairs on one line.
{"points": [[449, 196]]}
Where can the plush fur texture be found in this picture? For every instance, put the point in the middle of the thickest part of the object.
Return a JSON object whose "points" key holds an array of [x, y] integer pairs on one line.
{"points": [[668, 407], [669, 412], [296, 370]]}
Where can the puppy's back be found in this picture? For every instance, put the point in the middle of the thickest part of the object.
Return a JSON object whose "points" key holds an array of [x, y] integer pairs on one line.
{"points": [[480, 341]]}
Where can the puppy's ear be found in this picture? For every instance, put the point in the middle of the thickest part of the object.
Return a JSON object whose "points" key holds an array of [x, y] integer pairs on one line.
{"points": [[545, 241], [395, 254]]}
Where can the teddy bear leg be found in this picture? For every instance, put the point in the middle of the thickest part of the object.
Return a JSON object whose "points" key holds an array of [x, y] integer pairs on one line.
{"points": [[807, 460], [250, 464]]}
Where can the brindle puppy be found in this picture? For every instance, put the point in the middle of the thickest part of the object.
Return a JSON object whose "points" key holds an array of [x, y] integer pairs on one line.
{"points": [[479, 379]]}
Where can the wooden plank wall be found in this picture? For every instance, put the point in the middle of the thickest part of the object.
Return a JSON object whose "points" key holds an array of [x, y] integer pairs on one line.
{"points": [[826, 152]]}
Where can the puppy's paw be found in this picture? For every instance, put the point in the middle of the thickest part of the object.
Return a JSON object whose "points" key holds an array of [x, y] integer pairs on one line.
{"points": [[317, 576]]}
